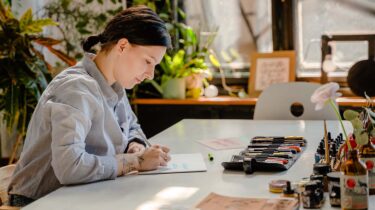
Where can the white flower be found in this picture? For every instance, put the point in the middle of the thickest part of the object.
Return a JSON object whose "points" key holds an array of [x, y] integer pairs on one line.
{"points": [[324, 93]]}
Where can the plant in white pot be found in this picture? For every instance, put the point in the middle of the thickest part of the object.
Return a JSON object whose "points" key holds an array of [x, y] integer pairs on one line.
{"points": [[186, 64], [175, 71]]}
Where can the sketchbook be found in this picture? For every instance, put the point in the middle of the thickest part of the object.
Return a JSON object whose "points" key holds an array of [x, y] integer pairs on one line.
{"points": [[181, 163]]}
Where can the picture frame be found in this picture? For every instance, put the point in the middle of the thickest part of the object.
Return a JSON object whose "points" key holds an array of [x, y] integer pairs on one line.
{"points": [[270, 68]]}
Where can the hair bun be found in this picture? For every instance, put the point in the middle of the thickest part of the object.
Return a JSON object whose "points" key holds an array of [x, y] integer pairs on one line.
{"points": [[90, 42]]}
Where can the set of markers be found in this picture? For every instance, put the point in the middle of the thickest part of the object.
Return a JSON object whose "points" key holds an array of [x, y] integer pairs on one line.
{"points": [[281, 150], [268, 153]]}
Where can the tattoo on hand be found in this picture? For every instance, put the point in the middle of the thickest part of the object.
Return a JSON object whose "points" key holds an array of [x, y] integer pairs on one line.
{"points": [[130, 164]]}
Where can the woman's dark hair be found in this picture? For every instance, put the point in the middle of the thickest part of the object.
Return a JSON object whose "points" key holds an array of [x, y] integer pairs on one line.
{"points": [[361, 78], [140, 25]]}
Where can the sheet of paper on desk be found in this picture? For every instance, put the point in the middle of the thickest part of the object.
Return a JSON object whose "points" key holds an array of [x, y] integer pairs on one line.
{"points": [[181, 163], [223, 143], [218, 202]]}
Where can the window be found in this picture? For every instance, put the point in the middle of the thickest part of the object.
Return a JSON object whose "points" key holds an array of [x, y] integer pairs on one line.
{"points": [[242, 27], [318, 17]]}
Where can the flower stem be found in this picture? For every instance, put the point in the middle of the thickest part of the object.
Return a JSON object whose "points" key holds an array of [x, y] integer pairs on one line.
{"points": [[334, 107]]}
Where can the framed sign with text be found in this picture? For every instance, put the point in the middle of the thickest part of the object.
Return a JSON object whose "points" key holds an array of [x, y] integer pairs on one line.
{"points": [[270, 68]]}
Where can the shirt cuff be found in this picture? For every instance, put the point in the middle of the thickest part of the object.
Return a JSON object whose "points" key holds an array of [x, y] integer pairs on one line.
{"points": [[139, 141], [109, 165]]}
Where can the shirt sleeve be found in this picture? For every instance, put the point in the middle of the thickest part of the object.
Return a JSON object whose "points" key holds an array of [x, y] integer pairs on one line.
{"points": [[71, 116], [136, 133]]}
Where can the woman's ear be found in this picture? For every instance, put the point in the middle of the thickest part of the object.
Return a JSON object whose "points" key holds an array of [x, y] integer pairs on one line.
{"points": [[122, 44]]}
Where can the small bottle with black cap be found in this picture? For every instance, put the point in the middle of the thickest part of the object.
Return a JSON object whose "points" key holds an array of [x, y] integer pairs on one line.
{"points": [[319, 152], [289, 192], [323, 169], [311, 198]]}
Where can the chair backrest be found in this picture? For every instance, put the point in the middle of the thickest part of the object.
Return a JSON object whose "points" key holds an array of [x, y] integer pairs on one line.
{"points": [[5, 175], [276, 101]]}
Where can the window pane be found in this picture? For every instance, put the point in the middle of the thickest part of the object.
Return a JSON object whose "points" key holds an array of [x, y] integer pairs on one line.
{"points": [[233, 37], [317, 17]]}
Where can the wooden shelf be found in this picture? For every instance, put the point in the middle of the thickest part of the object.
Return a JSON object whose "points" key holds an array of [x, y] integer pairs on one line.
{"points": [[221, 100], [352, 101], [231, 101]]}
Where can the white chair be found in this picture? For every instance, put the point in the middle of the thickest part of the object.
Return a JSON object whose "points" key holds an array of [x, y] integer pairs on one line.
{"points": [[276, 101]]}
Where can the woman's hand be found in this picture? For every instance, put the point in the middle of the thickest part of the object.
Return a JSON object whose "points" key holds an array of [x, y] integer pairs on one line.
{"points": [[154, 157], [135, 147], [146, 160]]}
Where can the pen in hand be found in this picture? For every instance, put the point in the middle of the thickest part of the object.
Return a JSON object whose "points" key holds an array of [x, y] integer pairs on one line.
{"points": [[144, 138]]}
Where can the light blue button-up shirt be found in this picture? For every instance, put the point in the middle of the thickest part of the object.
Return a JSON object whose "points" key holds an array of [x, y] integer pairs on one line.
{"points": [[78, 126]]}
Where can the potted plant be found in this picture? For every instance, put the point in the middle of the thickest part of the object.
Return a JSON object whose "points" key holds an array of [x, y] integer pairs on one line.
{"points": [[25, 73], [175, 71], [184, 67], [186, 64]]}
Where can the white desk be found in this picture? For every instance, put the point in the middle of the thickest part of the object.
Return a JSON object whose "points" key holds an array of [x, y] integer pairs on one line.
{"points": [[141, 192]]}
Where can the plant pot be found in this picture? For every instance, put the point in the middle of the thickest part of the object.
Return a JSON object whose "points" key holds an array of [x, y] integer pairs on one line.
{"points": [[174, 88]]}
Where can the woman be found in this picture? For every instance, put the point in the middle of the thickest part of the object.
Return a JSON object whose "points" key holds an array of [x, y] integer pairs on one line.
{"points": [[83, 129]]}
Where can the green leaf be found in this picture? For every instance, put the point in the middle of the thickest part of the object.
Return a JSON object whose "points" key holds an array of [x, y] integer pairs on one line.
{"points": [[140, 2], [350, 114], [215, 62], [65, 4], [26, 19], [181, 13], [81, 24], [164, 16], [115, 11], [89, 1], [372, 133], [361, 137], [169, 26], [101, 18], [225, 56], [357, 124], [83, 31], [36, 26], [100, 2], [165, 79], [234, 53], [165, 64], [177, 61], [168, 3], [191, 36], [152, 6], [156, 85]]}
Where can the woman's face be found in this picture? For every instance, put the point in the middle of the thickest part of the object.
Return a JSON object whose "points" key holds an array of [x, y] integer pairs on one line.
{"points": [[135, 63]]}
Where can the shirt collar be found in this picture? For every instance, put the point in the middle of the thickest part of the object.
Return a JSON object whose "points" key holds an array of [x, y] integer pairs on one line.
{"points": [[113, 93]]}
